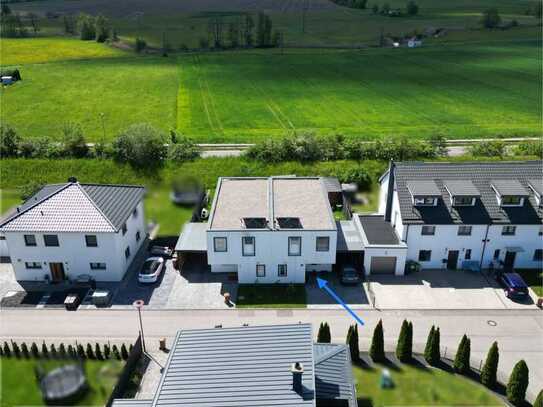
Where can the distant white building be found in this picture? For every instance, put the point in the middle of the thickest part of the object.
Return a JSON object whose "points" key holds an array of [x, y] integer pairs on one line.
{"points": [[73, 229]]}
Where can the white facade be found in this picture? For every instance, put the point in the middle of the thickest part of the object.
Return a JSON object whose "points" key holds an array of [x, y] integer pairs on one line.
{"points": [[73, 253]]}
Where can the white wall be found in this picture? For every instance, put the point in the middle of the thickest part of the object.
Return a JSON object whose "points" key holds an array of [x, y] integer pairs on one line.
{"points": [[75, 255], [383, 191], [271, 249], [526, 236]]}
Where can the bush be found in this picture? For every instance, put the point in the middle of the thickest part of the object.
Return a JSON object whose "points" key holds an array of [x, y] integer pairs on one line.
{"points": [[53, 351], [75, 144], [140, 145], [15, 349], [352, 341], [491, 18], [357, 175], [404, 347], [28, 190], [529, 148], [461, 359], [103, 28], [44, 350], [24, 350], [377, 348], [72, 353], [116, 353], [89, 352], [6, 350], [431, 351], [518, 383], [488, 149], [81, 351], [140, 45], [490, 368], [86, 27], [98, 352], [412, 8], [62, 351], [107, 351], [9, 141], [124, 352], [324, 335], [34, 350], [539, 400], [184, 149]]}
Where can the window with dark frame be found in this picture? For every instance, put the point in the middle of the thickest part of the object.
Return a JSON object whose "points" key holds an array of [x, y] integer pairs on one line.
{"points": [[496, 254], [509, 230], [425, 255], [50, 240], [538, 255], [323, 243], [30, 240], [294, 246], [33, 265], [138, 236], [220, 244], [281, 270], [428, 230], [91, 240], [467, 256], [464, 230], [127, 252], [98, 266], [248, 246], [511, 200], [261, 270]]}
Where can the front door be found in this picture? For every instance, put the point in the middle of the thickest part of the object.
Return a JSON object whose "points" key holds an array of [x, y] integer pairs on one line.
{"points": [[509, 261], [452, 260], [57, 272]]}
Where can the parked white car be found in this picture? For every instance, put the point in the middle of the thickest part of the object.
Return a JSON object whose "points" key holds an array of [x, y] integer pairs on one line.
{"points": [[151, 269]]}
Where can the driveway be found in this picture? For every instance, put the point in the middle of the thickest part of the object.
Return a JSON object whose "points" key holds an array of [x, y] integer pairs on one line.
{"points": [[354, 296], [441, 289]]}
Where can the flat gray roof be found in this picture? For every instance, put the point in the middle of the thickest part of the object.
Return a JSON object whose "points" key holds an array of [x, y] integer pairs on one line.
{"points": [[193, 237], [304, 198], [461, 187], [348, 237], [377, 230], [423, 188], [238, 367], [509, 187]]}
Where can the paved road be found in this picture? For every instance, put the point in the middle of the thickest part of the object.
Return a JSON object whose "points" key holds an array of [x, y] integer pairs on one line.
{"points": [[519, 333]]}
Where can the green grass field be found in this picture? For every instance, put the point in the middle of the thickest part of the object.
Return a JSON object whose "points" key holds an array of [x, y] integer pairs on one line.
{"points": [[19, 386], [419, 386], [271, 296], [489, 88]]}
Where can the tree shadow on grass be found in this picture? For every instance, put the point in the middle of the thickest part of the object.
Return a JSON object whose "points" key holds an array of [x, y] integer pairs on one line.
{"points": [[364, 402]]}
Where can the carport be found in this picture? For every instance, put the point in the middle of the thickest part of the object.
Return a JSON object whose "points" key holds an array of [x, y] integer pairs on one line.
{"points": [[192, 244], [350, 249]]}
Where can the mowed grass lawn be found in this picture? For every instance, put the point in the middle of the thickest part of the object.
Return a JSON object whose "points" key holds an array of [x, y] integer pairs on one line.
{"points": [[419, 386], [20, 388], [271, 296]]}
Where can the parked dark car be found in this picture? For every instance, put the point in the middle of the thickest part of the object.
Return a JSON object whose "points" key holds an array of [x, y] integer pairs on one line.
{"points": [[514, 286], [161, 251], [349, 275]]}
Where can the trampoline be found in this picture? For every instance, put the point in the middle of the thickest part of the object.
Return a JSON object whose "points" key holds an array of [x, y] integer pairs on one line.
{"points": [[63, 384]]}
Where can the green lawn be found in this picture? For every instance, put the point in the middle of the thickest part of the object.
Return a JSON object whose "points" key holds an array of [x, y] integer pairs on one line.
{"points": [[271, 296], [19, 386], [418, 386], [534, 278], [159, 208]]}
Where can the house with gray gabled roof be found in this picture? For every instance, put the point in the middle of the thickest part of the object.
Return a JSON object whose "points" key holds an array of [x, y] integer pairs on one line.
{"points": [[67, 230], [451, 215], [253, 366]]}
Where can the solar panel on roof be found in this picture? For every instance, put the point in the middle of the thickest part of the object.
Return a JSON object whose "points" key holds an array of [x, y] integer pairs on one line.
{"points": [[255, 223], [289, 223]]}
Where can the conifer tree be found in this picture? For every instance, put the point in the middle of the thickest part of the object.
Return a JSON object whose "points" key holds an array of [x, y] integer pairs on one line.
{"points": [[461, 359], [518, 383], [377, 348], [490, 368]]}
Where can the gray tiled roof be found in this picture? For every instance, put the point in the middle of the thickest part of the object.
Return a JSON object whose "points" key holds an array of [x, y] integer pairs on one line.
{"points": [[509, 187], [377, 230], [236, 367], [536, 184], [74, 207], [461, 187], [486, 209], [423, 187], [333, 373]]}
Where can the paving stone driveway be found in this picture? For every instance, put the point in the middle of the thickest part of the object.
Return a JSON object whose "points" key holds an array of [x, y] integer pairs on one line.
{"points": [[354, 295]]}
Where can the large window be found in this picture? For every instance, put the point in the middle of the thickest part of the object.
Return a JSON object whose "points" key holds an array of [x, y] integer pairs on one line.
{"points": [[261, 270], [294, 246], [30, 240], [463, 200], [50, 240], [281, 270], [248, 246], [323, 243], [512, 201], [468, 254], [425, 255], [220, 244], [464, 230], [98, 266], [32, 265], [509, 230], [91, 240], [538, 255], [428, 230]]}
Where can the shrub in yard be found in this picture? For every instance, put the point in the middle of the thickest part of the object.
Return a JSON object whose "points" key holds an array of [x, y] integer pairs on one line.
{"points": [[377, 348], [539, 400], [404, 347], [529, 148], [490, 368], [9, 141], [24, 350], [357, 175], [15, 349], [324, 335], [431, 351], [6, 350], [439, 144], [103, 28], [116, 353], [352, 341], [461, 359], [74, 141], [140, 145], [488, 149], [184, 149], [124, 352], [89, 352], [34, 350], [518, 383], [44, 350], [85, 25]]}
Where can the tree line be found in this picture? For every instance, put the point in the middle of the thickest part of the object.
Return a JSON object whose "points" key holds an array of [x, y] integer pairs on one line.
{"points": [[518, 380], [16, 25]]}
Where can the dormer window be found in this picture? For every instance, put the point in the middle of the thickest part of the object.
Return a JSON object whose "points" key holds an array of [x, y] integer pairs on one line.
{"points": [[536, 185], [424, 193], [461, 192], [509, 192]]}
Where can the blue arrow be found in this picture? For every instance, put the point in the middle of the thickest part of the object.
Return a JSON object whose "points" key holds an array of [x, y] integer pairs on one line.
{"points": [[324, 284]]}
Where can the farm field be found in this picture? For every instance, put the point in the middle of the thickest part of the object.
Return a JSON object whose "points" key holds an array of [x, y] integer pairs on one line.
{"points": [[184, 22], [465, 90]]}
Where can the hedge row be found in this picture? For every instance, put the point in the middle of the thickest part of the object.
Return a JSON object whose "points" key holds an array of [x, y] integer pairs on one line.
{"points": [[78, 351]]}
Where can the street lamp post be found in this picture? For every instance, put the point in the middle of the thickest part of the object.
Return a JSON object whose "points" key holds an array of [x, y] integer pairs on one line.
{"points": [[138, 304]]}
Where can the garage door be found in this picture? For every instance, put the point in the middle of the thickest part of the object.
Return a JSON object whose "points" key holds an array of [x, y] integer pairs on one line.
{"points": [[383, 265]]}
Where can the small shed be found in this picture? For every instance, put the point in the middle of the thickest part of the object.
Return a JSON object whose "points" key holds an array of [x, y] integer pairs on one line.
{"points": [[333, 189]]}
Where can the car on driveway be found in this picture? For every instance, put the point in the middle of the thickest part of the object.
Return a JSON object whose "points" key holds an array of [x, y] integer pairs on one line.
{"points": [[151, 270], [349, 275], [514, 286], [161, 251]]}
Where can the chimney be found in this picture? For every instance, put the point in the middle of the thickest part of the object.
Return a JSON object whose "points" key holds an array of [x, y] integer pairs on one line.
{"points": [[297, 370]]}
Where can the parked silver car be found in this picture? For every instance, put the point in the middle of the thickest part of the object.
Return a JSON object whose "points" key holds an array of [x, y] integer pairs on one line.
{"points": [[350, 275]]}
